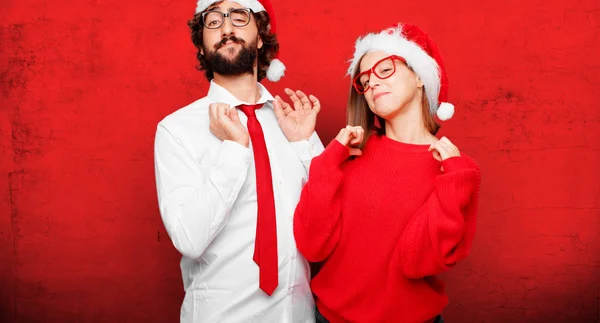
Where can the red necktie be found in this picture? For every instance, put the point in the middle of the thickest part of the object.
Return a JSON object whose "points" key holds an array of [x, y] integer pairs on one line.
{"points": [[265, 245]]}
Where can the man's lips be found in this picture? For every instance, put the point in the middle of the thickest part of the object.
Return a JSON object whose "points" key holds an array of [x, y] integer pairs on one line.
{"points": [[229, 43]]}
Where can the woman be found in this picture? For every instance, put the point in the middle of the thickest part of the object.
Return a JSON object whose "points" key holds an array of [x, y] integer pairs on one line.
{"points": [[402, 209]]}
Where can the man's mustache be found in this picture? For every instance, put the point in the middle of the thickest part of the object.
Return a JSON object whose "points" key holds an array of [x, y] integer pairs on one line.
{"points": [[226, 39]]}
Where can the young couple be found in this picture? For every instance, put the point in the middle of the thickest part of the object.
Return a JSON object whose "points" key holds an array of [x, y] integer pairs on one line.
{"points": [[249, 195]]}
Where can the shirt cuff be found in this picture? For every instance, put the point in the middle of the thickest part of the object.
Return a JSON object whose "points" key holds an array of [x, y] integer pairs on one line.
{"points": [[234, 154], [302, 149]]}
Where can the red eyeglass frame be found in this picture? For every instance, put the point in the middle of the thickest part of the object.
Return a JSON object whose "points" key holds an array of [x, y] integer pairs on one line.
{"points": [[372, 70]]}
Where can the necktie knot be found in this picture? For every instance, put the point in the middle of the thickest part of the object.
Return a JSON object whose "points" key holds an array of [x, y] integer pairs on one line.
{"points": [[249, 109]]}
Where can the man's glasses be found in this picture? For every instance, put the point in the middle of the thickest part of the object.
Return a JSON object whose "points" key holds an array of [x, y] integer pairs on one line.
{"points": [[215, 19], [383, 69]]}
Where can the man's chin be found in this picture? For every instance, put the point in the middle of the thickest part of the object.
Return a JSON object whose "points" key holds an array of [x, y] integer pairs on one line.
{"points": [[229, 51], [229, 59]]}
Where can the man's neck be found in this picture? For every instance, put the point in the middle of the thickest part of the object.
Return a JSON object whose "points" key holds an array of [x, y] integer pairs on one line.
{"points": [[243, 87]]}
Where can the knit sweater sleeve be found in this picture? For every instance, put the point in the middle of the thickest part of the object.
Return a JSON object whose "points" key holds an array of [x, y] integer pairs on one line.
{"points": [[317, 220], [442, 230]]}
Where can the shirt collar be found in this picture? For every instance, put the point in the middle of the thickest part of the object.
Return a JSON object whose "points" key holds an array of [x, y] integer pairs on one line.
{"points": [[217, 93]]}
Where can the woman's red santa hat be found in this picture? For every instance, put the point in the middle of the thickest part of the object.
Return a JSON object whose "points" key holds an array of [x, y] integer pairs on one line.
{"points": [[421, 55], [276, 68]]}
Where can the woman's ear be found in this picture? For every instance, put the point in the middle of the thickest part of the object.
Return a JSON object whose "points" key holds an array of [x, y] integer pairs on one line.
{"points": [[419, 82]]}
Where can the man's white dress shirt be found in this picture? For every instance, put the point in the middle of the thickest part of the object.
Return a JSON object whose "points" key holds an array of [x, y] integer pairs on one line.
{"points": [[207, 198]]}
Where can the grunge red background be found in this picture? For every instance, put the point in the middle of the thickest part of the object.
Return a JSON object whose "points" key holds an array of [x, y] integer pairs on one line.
{"points": [[84, 83]]}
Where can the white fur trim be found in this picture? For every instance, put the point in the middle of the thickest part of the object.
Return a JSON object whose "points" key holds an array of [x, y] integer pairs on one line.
{"points": [[255, 5], [445, 111], [391, 41], [275, 70]]}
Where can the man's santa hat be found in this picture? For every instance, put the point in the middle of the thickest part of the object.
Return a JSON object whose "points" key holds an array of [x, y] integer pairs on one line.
{"points": [[421, 55], [276, 68]]}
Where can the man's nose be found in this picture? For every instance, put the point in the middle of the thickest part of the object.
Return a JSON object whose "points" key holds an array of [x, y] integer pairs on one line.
{"points": [[227, 27]]}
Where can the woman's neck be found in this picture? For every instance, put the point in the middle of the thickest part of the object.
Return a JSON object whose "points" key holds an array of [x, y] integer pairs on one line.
{"points": [[408, 126]]}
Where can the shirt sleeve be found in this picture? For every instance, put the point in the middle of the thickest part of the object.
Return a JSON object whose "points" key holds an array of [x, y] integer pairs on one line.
{"points": [[306, 150], [317, 220], [441, 232], [194, 200]]}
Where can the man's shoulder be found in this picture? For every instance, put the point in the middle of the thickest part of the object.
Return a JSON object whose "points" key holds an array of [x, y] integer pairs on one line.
{"points": [[193, 113]]}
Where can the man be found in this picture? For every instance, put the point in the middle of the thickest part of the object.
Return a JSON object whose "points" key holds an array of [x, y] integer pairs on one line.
{"points": [[229, 171]]}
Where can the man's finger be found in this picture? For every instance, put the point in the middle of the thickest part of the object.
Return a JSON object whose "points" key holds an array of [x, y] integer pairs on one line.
{"points": [[279, 114], [294, 98], [287, 108], [221, 111], [233, 115], [304, 99], [316, 103], [212, 111]]}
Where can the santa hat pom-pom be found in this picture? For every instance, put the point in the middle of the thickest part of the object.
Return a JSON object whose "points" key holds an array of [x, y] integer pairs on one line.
{"points": [[275, 70], [445, 111]]}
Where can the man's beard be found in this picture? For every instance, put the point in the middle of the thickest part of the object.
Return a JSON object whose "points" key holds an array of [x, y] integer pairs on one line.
{"points": [[243, 63]]}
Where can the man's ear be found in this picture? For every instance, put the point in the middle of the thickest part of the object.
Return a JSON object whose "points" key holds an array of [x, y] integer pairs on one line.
{"points": [[259, 43]]}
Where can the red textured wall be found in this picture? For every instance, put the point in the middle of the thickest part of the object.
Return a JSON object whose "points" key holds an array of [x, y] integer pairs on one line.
{"points": [[84, 84]]}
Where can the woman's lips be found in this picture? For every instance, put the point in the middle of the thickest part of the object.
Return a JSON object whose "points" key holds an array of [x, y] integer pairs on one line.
{"points": [[378, 95]]}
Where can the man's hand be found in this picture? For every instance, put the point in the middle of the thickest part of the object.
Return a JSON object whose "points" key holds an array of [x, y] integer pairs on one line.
{"points": [[225, 124], [298, 122]]}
